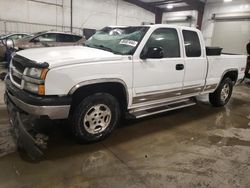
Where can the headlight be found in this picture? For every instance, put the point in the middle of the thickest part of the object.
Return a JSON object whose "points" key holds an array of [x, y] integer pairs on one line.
{"points": [[34, 80], [31, 87], [37, 73]]}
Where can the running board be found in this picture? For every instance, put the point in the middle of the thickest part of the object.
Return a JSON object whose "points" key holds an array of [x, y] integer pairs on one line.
{"points": [[141, 112]]}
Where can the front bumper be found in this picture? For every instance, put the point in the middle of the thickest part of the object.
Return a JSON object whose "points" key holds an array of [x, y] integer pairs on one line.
{"points": [[22, 128], [24, 109], [54, 107]]}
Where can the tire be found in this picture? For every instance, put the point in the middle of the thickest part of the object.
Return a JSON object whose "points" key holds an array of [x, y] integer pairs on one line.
{"points": [[95, 117], [222, 94]]}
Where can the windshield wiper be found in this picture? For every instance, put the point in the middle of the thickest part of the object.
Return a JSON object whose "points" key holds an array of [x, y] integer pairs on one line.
{"points": [[104, 48]]}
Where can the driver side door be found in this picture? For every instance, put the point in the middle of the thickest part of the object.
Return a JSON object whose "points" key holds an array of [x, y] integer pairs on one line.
{"points": [[159, 78]]}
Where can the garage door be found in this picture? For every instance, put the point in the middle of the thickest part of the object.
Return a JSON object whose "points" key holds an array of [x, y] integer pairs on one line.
{"points": [[232, 36]]}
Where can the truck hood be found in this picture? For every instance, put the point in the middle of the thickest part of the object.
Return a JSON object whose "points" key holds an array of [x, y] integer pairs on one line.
{"points": [[61, 56]]}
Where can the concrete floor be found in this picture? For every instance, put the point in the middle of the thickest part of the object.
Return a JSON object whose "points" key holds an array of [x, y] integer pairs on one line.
{"points": [[198, 146], [7, 144]]}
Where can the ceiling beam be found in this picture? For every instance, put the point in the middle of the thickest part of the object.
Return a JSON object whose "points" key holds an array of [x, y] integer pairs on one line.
{"points": [[196, 4], [164, 2], [178, 9], [143, 5]]}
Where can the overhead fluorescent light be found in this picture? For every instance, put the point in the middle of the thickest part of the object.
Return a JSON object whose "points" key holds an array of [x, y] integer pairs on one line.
{"points": [[227, 1], [169, 6]]}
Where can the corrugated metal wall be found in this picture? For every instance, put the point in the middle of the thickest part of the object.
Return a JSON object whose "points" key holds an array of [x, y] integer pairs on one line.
{"points": [[9, 26], [39, 15]]}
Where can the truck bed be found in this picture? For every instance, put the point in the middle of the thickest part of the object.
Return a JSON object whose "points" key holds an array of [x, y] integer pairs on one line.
{"points": [[217, 65]]}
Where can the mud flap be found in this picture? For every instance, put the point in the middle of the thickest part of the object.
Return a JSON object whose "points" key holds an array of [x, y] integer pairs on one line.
{"points": [[23, 131]]}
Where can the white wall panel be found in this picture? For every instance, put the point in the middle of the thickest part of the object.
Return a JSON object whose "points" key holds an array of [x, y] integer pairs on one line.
{"points": [[14, 10], [93, 14], [232, 36], [129, 14], [216, 7], [43, 13]]}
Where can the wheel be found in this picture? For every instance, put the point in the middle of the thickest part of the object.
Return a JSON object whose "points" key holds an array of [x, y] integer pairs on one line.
{"points": [[222, 94], [95, 117]]}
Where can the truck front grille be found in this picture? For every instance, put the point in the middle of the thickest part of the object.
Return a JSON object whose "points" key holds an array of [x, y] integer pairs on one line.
{"points": [[18, 65], [16, 72], [17, 80]]}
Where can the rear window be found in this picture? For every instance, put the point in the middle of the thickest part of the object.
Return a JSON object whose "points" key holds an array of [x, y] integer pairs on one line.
{"points": [[47, 37], [192, 43], [68, 38], [77, 38]]}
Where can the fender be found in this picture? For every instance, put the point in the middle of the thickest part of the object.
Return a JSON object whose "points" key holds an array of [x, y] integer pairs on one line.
{"points": [[98, 81]]}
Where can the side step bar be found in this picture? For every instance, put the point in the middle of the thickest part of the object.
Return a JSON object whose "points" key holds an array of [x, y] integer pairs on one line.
{"points": [[141, 112]]}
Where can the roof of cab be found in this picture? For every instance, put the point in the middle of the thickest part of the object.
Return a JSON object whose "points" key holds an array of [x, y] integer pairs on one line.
{"points": [[158, 25]]}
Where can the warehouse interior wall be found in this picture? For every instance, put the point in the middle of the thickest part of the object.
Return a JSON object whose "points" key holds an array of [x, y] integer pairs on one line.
{"points": [[237, 7], [34, 16], [96, 14]]}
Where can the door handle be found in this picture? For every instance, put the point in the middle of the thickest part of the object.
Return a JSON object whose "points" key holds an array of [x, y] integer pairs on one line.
{"points": [[179, 67]]}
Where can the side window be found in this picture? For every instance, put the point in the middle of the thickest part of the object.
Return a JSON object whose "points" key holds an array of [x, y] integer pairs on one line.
{"points": [[167, 39], [47, 37], [15, 37], [65, 38], [192, 43], [24, 35], [77, 38]]}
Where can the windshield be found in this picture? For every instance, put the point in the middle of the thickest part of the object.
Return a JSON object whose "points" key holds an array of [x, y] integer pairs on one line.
{"points": [[3, 36], [118, 40], [29, 37]]}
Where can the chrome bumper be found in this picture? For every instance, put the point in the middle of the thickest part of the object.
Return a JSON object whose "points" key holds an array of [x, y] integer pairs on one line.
{"points": [[53, 112]]}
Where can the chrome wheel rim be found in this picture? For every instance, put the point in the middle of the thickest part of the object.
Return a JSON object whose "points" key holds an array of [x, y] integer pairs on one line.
{"points": [[97, 118], [225, 92]]}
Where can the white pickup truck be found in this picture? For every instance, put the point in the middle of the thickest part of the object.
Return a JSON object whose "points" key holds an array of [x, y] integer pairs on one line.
{"points": [[136, 71]]}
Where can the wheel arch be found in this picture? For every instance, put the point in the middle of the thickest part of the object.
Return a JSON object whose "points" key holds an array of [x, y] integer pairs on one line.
{"points": [[114, 86], [230, 73]]}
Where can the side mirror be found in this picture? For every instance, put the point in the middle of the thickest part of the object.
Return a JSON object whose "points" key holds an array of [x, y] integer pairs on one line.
{"points": [[153, 53]]}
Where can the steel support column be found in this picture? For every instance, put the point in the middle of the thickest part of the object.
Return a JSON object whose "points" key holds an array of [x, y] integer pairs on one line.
{"points": [[158, 17], [200, 18], [71, 16]]}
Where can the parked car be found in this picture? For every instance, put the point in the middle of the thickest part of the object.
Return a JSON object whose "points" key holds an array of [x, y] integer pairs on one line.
{"points": [[49, 39], [138, 71], [7, 40], [14, 36]]}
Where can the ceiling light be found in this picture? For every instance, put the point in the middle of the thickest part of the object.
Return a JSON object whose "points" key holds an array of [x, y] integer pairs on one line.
{"points": [[227, 1], [170, 6]]}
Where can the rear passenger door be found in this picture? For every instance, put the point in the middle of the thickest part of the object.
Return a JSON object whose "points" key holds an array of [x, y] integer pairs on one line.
{"points": [[195, 63]]}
